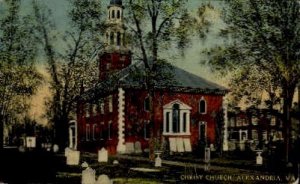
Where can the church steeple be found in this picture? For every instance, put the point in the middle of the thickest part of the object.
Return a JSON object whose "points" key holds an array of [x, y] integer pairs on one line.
{"points": [[115, 33], [115, 55]]}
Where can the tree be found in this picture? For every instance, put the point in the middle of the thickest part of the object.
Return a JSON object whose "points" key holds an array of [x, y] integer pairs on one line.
{"points": [[264, 36], [156, 25], [19, 78], [82, 44]]}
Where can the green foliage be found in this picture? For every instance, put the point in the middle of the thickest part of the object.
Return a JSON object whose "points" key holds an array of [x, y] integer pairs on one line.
{"points": [[18, 76]]}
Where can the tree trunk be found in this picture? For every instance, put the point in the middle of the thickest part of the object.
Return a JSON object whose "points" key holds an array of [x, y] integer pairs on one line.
{"points": [[1, 131], [288, 93]]}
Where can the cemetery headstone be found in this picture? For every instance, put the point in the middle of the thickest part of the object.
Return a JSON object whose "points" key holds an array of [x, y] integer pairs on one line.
{"points": [[102, 155], [55, 148], [73, 157], [103, 179], [88, 176], [137, 147], [259, 158], [158, 160], [129, 147], [115, 162]]}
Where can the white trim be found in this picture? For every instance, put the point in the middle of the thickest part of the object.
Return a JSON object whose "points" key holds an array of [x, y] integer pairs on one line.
{"points": [[110, 103], [121, 148], [168, 110]]}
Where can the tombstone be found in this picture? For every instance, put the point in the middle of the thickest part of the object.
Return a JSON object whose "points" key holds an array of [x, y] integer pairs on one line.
{"points": [[259, 158], [206, 159], [55, 148], [129, 147], [102, 155], [137, 147], [157, 160], [31, 142], [115, 162], [88, 176], [67, 150], [103, 179], [73, 157], [21, 149]]}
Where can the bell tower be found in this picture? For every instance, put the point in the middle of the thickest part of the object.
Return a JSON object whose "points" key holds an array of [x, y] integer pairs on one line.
{"points": [[116, 54]]}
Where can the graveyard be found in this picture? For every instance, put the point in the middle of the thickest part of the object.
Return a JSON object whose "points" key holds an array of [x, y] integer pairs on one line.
{"points": [[40, 166]]}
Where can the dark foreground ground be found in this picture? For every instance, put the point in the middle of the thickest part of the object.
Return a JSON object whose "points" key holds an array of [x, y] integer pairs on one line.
{"points": [[48, 167]]}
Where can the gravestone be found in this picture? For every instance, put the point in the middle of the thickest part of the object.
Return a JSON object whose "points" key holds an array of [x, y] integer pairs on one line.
{"points": [[102, 155], [103, 179], [67, 149], [259, 158], [206, 159], [30, 142], [137, 147], [129, 147], [88, 176], [73, 157], [157, 160], [55, 148], [115, 162]]}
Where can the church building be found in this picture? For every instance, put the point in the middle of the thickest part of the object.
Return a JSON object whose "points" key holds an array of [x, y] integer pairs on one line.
{"points": [[120, 115]]}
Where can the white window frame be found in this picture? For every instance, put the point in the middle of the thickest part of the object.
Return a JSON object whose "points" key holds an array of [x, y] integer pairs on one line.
{"points": [[87, 110], [168, 110], [205, 105], [101, 107]]}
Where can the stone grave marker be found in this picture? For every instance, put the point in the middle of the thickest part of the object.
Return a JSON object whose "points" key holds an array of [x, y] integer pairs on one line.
{"points": [[103, 179], [137, 147], [187, 144], [73, 157], [88, 176], [129, 147], [102, 155]]}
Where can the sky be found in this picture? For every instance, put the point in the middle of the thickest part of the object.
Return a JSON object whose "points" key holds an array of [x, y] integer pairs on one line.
{"points": [[191, 61]]}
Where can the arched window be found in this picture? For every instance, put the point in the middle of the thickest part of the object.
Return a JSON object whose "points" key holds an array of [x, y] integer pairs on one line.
{"points": [[202, 106], [175, 119], [118, 39], [118, 14], [112, 38], [113, 14], [147, 104], [109, 130]]}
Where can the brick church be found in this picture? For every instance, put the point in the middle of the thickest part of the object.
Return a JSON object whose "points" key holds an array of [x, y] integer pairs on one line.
{"points": [[116, 113]]}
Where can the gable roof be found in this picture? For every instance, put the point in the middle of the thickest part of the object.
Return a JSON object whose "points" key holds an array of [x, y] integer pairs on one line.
{"points": [[176, 80]]}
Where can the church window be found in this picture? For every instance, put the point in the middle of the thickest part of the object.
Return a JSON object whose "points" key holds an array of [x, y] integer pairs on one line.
{"points": [[101, 131], [147, 104], [176, 119], [202, 131], [118, 39], [113, 14], [112, 38], [202, 106], [94, 131], [118, 14], [110, 103], [109, 130], [87, 132], [146, 129], [101, 107]]}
